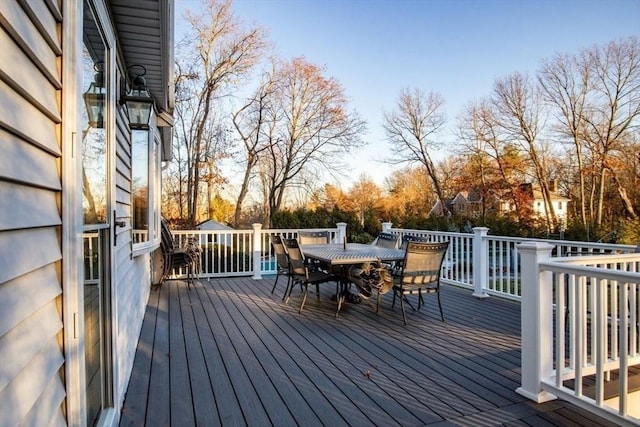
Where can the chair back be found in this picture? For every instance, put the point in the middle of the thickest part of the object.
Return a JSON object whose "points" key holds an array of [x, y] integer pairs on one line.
{"points": [[406, 238], [166, 242], [296, 257], [387, 240], [423, 263], [280, 251], [313, 237]]}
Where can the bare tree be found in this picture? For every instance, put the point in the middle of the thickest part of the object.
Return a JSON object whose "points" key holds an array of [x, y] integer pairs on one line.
{"points": [[519, 115], [412, 128], [252, 121], [218, 54], [566, 84], [309, 132], [615, 70], [496, 161]]}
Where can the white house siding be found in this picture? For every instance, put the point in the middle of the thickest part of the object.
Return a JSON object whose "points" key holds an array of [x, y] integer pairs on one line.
{"points": [[31, 358]]}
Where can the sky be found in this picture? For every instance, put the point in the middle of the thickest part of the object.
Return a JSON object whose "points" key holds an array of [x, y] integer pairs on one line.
{"points": [[457, 48]]}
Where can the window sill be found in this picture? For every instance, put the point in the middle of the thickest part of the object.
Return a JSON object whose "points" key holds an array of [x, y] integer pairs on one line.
{"points": [[144, 248]]}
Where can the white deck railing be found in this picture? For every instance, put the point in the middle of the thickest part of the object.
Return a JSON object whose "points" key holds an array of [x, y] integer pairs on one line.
{"points": [[580, 330], [490, 265], [227, 253]]}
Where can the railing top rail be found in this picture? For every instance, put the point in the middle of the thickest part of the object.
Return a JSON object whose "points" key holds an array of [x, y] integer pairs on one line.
{"points": [[571, 243], [437, 233], [192, 232], [295, 230], [598, 259], [590, 271]]}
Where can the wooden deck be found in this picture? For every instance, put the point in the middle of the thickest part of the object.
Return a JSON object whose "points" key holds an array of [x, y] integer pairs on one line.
{"points": [[228, 352]]}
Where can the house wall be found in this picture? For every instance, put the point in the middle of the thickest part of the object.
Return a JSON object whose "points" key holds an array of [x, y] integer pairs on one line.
{"points": [[41, 283], [32, 387], [559, 207]]}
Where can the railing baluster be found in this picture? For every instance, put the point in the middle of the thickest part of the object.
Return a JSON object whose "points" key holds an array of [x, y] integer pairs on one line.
{"points": [[580, 335], [624, 352], [599, 339], [560, 327]]}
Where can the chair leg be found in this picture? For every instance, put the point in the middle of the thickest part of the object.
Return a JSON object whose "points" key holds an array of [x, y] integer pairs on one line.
{"points": [[406, 299], [287, 293], [404, 316], [304, 297], [275, 283], [440, 305], [288, 288]]}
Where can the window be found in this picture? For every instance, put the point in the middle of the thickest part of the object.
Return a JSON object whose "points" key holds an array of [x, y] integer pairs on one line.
{"points": [[140, 185], [144, 187]]}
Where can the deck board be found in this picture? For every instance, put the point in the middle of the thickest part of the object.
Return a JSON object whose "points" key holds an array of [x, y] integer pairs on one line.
{"points": [[204, 406], [159, 399], [228, 352], [181, 409]]}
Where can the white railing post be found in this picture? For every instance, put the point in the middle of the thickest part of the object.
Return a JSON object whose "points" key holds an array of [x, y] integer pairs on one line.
{"points": [[342, 232], [536, 318], [386, 227], [480, 262], [257, 251]]}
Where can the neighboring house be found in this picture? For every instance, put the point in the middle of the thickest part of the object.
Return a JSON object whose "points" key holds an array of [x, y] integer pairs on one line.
{"points": [[465, 203], [470, 203], [559, 205], [79, 200]]}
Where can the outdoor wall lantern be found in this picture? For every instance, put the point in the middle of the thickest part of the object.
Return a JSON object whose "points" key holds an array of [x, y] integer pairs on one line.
{"points": [[139, 101], [94, 100]]}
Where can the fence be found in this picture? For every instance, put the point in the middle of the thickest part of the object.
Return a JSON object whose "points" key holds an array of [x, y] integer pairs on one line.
{"points": [[490, 265], [580, 330], [228, 253]]}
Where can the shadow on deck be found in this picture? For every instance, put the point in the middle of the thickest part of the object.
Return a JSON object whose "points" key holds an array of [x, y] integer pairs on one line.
{"points": [[228, 352]]}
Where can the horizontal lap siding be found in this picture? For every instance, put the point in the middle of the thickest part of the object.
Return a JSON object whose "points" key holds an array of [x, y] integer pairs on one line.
{"points": [[31, 372]]}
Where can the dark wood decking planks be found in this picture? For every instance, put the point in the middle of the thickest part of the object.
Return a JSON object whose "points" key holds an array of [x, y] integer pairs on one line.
{"points": [[138, 389], [228, 352], [159, 400], [181, 409]]}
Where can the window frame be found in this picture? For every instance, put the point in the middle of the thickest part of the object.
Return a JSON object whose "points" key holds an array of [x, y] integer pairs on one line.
{"points": [[153, 191]]}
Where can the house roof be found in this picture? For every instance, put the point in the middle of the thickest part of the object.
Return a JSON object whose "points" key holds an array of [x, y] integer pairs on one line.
{"points": [[537, 195], [145, 31], [212, 225]]}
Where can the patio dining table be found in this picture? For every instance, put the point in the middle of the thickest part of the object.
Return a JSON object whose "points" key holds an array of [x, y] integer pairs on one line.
{"points": [[347, 255]]}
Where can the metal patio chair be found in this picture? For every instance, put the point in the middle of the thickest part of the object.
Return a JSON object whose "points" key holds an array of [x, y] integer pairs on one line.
{"points": [[173, 256], [313, 237], [282, 262], [387, 240], [419, 274], [406, 238], [301, 273], [322, 237]]}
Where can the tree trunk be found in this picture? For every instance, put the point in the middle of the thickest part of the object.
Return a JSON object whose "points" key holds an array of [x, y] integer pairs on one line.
{"points": [[244, 189], [600, 200], [628, 204]]}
